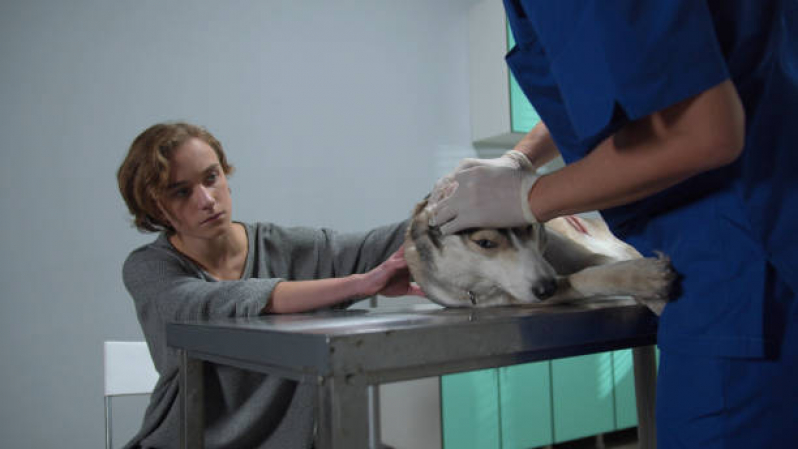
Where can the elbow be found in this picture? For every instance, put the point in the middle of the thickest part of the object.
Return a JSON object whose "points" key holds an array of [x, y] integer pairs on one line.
{"points": [[724, 134], [724, 148]]}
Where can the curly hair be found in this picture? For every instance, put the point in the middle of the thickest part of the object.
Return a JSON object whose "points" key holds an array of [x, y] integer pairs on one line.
{"points": [[144, 174]]}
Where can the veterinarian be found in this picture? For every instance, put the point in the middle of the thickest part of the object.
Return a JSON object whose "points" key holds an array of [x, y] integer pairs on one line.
{"points": [[677, 119], [205, 265]]}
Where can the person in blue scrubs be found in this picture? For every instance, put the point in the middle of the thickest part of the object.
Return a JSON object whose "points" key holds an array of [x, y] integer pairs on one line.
{"points": [[678, 120]]}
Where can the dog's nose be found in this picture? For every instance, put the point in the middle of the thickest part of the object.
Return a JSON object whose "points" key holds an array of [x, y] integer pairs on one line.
{"points": [[545, 288]]}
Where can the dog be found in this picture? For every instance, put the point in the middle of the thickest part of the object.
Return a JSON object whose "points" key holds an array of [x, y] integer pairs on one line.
{"points": [[566, 259]]}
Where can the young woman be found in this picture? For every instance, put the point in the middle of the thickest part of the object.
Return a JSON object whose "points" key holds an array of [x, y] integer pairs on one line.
{"points": [[205, 265]]}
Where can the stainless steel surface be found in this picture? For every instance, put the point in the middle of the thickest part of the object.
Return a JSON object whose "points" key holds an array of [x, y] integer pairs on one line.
{"points": [[343, 415], [192, 402], [345, 352], [373, 393], [108, 424], [406, 344]]}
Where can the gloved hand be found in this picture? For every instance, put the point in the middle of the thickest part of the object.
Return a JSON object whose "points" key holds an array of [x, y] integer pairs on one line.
{"points": [[489, 195], [510, 159]]}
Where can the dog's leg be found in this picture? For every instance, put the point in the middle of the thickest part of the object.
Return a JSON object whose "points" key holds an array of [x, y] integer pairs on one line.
{"points": [[567, 256], [649, 280]]}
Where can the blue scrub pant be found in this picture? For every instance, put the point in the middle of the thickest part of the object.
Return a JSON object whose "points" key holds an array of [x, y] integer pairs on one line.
{"points": [[714, 403]]}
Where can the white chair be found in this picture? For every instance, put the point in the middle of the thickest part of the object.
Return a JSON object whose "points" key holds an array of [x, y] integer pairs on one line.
{"points": [[128, 371]]}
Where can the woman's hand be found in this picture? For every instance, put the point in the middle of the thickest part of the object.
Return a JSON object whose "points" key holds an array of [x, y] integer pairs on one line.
{"points": [[390, 278]]}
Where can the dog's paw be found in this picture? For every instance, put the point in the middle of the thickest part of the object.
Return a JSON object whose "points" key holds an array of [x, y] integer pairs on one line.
{"points": [[652, 281]]}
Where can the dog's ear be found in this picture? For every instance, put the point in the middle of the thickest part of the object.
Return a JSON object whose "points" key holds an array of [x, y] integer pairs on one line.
{"points": [[419, 223], [421, 241], [420, 228]]}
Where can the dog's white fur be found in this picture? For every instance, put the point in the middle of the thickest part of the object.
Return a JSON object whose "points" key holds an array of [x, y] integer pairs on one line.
{"points": [[565, 259]]}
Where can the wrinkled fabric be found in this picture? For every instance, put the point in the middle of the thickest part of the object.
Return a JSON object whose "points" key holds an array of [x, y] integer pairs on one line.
{"points": [[242, 409], [729, 343], [589, 67]]}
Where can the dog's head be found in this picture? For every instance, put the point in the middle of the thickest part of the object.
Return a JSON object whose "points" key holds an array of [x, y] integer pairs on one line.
{"points": [[479, 267]]}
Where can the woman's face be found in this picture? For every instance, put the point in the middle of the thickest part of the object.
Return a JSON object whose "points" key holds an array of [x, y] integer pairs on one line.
{"points": [[197, 200]]}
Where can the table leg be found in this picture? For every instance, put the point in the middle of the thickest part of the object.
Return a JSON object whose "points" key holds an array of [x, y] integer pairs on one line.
{"points": [[645, 369], [375, 440], [192, 404], [343, 415]]}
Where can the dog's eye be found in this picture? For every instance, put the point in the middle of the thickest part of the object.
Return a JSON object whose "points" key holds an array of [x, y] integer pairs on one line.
{"points": [[485, 243]]}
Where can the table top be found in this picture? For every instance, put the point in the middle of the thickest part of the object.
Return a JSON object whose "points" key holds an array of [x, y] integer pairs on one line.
{"points": [[385, 345]]}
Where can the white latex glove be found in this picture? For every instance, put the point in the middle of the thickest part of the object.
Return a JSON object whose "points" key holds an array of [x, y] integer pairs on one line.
{"points": [[510, 159], [482, 196]]}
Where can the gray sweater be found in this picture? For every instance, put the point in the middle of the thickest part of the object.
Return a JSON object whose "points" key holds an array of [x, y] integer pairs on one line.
{"points": [[243, 409]]}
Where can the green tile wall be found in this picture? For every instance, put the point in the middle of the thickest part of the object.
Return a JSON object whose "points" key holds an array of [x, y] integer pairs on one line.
{"points": [[470, 410], [525, 405], [582, 388], [537, 404]]}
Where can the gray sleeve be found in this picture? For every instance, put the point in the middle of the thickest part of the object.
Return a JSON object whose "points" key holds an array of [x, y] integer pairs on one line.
{"points": [[166, 288], [359, 252], [351, 253], [301, 253]]}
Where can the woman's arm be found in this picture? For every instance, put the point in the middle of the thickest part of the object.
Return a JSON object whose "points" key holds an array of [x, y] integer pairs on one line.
{"points": [[390, 278], [166, 289], [647, 156]]}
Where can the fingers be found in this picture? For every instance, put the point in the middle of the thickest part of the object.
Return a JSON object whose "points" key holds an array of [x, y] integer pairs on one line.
{"points": [[444, 213], [467, 163], [452, 227], [441, 214], [399, 253], [415, 290], [394, 277], [393, 266], [396, 261]]}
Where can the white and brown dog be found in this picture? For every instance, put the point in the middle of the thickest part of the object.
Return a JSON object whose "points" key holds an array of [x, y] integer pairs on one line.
{"points": [[566, 259]]}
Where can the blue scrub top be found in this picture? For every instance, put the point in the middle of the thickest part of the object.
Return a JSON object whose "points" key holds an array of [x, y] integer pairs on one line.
{"points": [[590, 66]]}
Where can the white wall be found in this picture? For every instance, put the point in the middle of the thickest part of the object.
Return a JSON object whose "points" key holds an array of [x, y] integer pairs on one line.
{"points": [[336, 113]]}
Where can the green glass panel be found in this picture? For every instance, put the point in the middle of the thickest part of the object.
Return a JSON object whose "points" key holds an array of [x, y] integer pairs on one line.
{"points": [[523, 116], [470, 410], [525, 403], [582, 389], [624, 379]]}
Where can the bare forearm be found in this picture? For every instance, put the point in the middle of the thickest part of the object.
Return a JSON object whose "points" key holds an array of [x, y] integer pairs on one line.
{"points": [[647, 156], [303, 296], [390, 278], [607, 178]]}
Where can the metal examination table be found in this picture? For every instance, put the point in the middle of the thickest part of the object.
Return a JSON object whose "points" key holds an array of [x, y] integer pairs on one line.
{"points": [[347, 353]]}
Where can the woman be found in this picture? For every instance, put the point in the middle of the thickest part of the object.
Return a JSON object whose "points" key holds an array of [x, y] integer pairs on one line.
{"points": [[204, 265], [676, 120]]}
